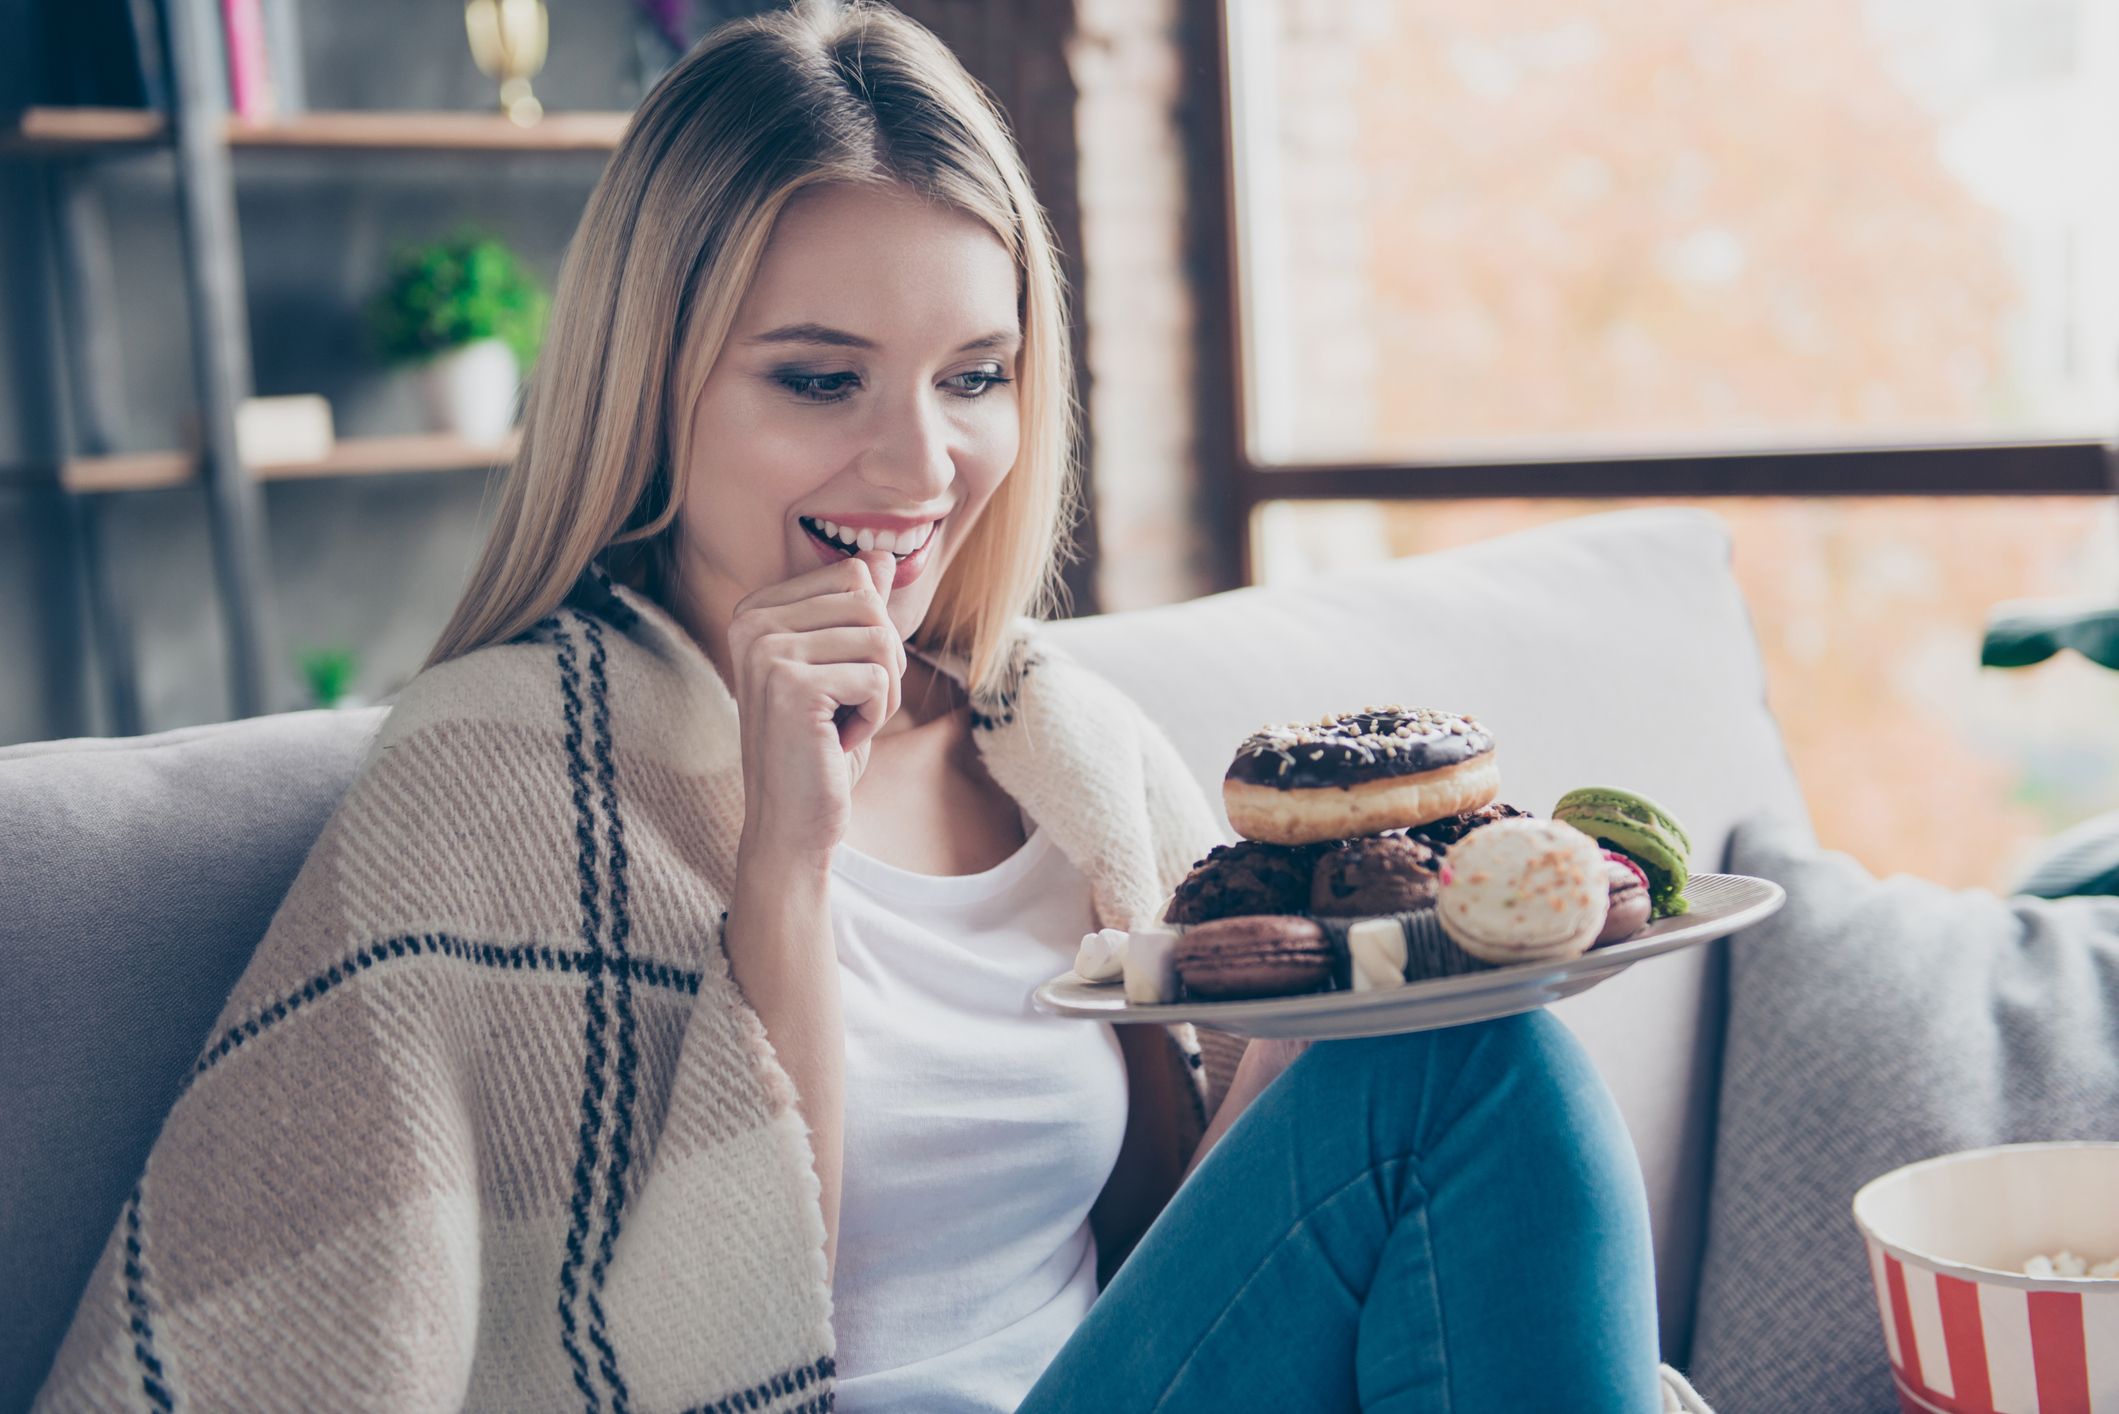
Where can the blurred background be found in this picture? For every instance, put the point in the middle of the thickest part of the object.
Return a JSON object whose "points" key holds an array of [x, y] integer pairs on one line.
{"points": [[1355, 280]]}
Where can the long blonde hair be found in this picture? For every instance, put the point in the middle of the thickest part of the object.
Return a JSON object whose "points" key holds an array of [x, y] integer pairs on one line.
{"points": [[824, 91]]}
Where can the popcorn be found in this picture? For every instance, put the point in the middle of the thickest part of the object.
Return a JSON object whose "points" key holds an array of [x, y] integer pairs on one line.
{"points": [[2066, 1264], [1102, 955]]}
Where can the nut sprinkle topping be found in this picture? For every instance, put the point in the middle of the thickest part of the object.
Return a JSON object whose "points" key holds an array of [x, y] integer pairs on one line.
{"points": [[1388, 740]]}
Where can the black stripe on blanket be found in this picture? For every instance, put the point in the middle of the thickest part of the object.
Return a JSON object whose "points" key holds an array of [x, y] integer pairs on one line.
{"points": [[519, 957], [152, 1381], [819, 1372], [628, 1056], [588, 1156]]}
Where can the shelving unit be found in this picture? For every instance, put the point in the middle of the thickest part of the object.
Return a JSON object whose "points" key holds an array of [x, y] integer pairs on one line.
{"points": [[203, 138]]}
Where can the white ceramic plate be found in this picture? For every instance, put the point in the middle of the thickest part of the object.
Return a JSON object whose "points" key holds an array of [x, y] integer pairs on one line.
{"points": [[1721, 904]]}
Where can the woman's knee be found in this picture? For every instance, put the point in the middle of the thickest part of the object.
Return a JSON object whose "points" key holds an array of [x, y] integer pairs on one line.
{"points": [[1526, 1074], [1529, 1042]]}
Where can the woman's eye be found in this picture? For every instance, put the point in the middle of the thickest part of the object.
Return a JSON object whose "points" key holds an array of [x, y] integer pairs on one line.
{"points": [[817, 387], [837, 387], [987, 381]]}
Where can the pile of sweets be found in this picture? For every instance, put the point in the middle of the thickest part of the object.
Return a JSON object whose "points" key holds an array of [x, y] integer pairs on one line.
{"points": [[1374, 852]]}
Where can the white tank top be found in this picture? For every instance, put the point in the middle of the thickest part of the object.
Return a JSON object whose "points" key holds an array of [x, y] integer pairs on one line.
{"points": [[979, 1131]]}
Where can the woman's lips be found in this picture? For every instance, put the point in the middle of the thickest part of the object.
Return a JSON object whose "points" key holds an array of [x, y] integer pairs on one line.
{"points": [[909, 566]]}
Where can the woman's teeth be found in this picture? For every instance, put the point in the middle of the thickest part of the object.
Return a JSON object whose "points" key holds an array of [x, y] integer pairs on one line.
{"points": [[898, 542]]}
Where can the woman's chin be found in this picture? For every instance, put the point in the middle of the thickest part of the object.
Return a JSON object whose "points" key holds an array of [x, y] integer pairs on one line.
{"points": [[907, 614]]}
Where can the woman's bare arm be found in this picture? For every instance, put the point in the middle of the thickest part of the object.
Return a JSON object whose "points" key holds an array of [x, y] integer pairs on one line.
{"points": [[780, 952], [1262, 1062]]}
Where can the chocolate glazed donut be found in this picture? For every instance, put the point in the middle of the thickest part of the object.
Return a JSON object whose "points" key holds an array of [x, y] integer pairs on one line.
{"points": [[1360, 773]]}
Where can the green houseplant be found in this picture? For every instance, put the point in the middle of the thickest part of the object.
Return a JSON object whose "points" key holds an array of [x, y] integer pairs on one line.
{"points": [[2084, 859], [470, 316], [329, 673], [2024, 632]]}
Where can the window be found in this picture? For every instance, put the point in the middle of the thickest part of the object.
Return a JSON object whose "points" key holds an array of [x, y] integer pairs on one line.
{"points": [[1845, 270], [1543, 232]]}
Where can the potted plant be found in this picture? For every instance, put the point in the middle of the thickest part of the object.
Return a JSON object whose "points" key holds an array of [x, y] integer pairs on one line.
{"points": [[467, 314], [329, 673], [2084, 859]]}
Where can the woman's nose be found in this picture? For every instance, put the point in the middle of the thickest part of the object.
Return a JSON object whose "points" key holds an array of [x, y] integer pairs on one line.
{"points": [[913, 452]]}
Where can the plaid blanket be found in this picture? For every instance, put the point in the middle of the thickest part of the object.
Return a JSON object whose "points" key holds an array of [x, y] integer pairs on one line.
{"points": [[485, 1123]]}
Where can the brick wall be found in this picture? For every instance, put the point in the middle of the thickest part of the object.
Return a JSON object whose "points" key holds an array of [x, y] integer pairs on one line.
{"points": [[1106, 98], [1138, 301]]}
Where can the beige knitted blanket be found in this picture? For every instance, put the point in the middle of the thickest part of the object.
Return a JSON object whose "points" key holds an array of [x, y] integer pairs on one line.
{"points": [[485, 1123]]}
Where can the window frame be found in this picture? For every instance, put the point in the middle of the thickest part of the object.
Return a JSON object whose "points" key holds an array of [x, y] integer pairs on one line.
{"points": [[2047, 467]]}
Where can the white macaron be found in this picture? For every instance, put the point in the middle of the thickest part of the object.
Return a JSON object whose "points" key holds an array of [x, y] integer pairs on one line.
{"points": [[1523, 890]]}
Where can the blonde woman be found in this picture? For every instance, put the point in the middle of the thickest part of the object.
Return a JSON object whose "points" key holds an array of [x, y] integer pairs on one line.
{"points": [[649, 1027]]}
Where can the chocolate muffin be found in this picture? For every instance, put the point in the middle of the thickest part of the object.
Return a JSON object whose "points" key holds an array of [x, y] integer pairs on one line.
{"points": [[1441, 834], [1376, 874], [1249, 876]]}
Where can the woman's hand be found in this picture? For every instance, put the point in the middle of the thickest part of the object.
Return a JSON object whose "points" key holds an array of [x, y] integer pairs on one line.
{"points": [[818, 667]]}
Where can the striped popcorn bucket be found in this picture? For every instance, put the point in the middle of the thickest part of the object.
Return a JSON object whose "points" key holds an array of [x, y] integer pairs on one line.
{"points": [[1967, 1331]]}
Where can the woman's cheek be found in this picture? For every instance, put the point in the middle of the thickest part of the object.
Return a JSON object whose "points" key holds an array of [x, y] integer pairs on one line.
{"points": [[997, 451]]}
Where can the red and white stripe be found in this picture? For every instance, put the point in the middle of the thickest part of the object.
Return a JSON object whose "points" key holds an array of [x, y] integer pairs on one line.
{"points": [[1963, 1347]]}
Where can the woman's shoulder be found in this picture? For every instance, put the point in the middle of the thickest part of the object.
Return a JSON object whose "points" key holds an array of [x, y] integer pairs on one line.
{"points": [[466, 817], [1056, 685], [490, 684], [603, 672]]}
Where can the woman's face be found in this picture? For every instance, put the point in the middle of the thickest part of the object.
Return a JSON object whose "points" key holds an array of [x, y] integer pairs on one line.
{"points": [[858, 387]]}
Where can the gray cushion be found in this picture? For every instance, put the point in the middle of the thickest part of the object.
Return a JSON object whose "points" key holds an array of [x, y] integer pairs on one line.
{"points": [[1873, 1023], [139, 875]]}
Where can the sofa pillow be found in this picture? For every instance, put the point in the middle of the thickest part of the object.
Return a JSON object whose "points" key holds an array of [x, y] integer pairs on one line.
{"points": [[1873, 1023]]}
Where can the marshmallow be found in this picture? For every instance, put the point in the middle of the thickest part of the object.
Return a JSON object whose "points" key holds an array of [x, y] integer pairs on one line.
{"points": [[1102, 955], [1151, 966], [1376, 952]]}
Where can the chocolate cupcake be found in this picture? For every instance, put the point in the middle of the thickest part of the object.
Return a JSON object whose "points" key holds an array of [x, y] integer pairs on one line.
{"points": [[1375, 874], [1249, 876], [1441, 834]]}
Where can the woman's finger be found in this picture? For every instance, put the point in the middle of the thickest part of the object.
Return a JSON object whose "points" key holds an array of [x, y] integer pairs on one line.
{"points": [[838, 577], [865, 694], [853, 608], [883, 569], [863, 643]]}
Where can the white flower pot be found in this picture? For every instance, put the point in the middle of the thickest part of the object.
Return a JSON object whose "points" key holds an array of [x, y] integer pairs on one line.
{"points": [[471, 391]]}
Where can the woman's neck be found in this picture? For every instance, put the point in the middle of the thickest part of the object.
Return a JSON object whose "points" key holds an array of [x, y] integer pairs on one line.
{"points": [[926, 695]]}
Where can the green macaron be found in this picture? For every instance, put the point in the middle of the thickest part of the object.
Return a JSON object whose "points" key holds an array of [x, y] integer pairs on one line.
{"points": [[1641, 830]]}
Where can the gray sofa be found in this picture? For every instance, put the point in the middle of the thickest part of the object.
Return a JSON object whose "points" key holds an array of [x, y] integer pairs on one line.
{"points": [[139, 873]]}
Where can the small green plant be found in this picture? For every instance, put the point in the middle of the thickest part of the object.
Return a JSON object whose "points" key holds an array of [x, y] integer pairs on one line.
{"points": [[455, 292], [2024, 632], [329, 673]]}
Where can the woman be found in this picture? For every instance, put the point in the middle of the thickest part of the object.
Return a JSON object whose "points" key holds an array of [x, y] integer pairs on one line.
{"points": [[649, 1027]]}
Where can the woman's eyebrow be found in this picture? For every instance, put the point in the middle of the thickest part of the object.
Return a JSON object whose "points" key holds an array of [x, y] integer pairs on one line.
{"points": [[824, 334]]}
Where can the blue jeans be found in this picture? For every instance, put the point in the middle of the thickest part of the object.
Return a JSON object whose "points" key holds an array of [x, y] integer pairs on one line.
{"points": [[1445, 1222]]}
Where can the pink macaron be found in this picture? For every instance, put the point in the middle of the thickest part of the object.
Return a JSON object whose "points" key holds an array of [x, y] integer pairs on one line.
{"points": [[1628, 911]]}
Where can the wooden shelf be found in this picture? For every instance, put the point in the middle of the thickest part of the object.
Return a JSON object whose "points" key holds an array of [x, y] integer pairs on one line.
{"points": [[353, 456], [65, 129], [90, 130]]}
